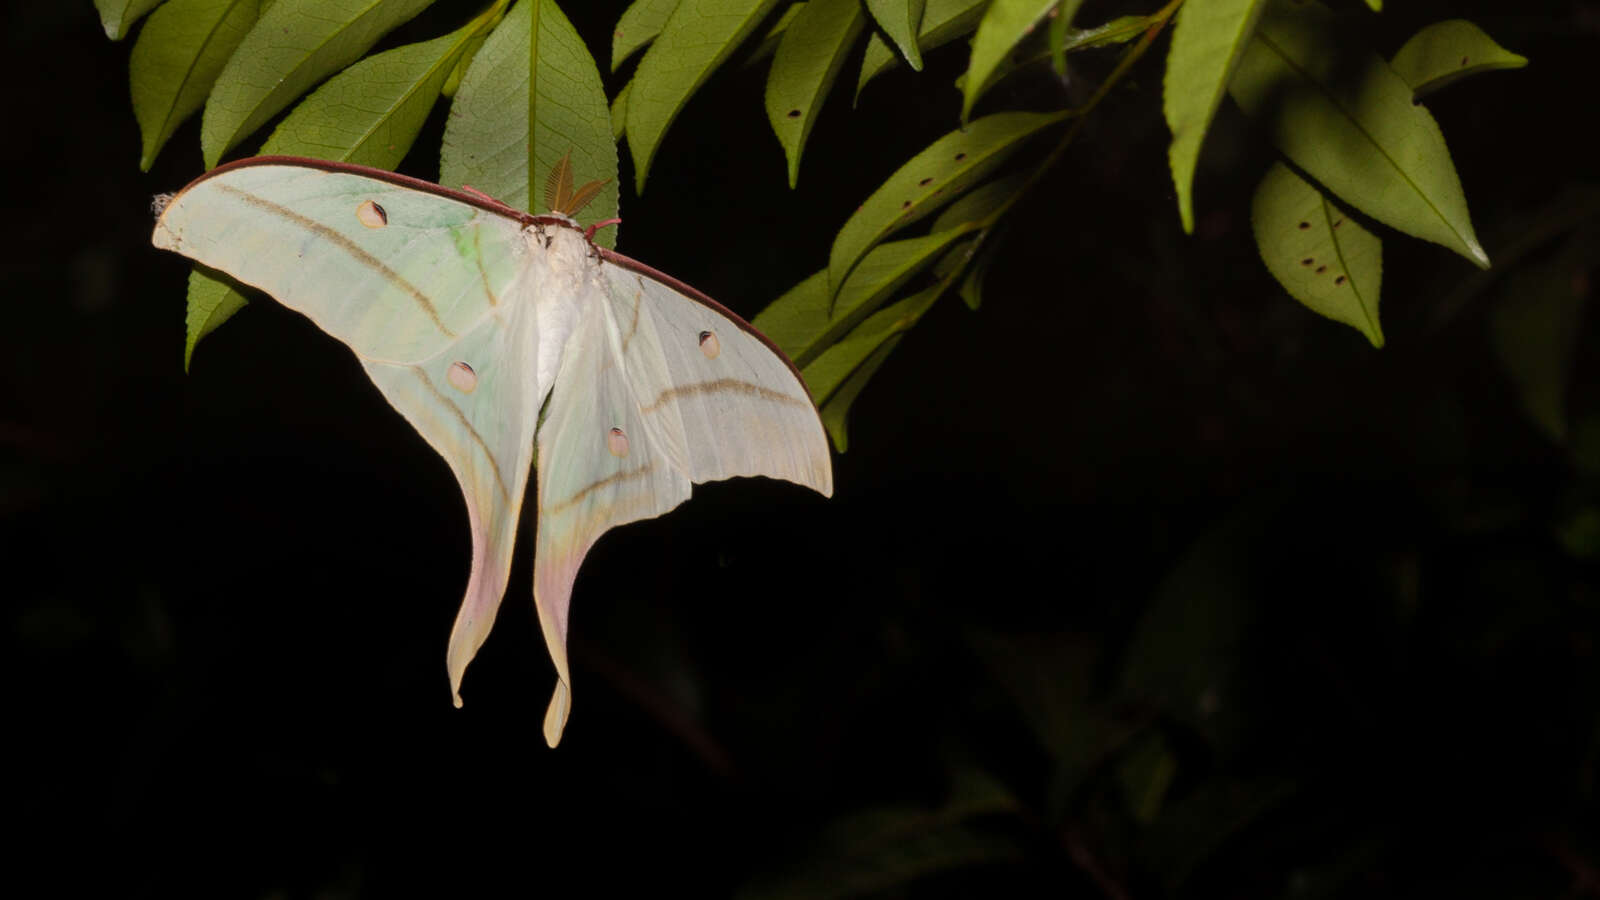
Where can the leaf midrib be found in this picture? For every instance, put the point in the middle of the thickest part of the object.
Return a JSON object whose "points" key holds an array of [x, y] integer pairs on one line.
{"points": [[1382, 151], [1344, 265], [166, 118], [301, 65]]}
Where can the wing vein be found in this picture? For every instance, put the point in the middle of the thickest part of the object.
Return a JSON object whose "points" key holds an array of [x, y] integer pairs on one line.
{"points": [[376, 265]]}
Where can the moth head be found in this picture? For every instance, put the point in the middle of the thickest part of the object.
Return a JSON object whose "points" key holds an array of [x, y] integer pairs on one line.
{"points": [[559, 195]]}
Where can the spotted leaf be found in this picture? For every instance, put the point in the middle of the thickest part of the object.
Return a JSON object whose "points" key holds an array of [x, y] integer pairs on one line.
{"points": [[932, 178], [1347, 120], [809, 57], [637, 27], [1446, 52], [1321, 256]]}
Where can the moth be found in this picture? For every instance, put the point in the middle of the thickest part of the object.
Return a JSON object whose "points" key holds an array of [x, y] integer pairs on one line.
{"points": [[511, 340]]}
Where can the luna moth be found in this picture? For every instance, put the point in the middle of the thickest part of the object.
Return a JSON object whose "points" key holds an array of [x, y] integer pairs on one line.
{"points": [[473, 318]]}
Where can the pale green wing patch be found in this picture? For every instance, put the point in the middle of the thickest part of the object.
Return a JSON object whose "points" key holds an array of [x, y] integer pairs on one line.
{"points": [[1004, 23], [294, 45], [901, 20], [177, 58], [1208, 42], [932, 178], [698, 37], [369, 114], [1321, 256], [942, 22], [638, 25], [809, 57], [1348, 121], [1446, 52], [118, 16], [532, 95]]}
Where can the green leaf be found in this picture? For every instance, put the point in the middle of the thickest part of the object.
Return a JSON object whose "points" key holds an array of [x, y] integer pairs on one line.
{"points": [[179, 54], [799, 322], [213, 299], [933, 177], [1117, 31], [1004, 24], [769, 42], [532, 95], [1207, 45], [1375, 5], [1446, 52], [833, 366], [971, 289], [839, 374], [295, 45], [459, 71], [118, 16], [978, 205], [370, 113], [699, 37], [1348, 121], [1320, 255], [836, 412], [901, 20], [1535, 325], [942, 22], [638, 26], [809, 57], [619, 111]]}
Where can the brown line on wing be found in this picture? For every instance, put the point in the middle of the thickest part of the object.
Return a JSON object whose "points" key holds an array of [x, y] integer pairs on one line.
{"points": [[361, 256], [461, 417], [633, 327], [724, 385], [590, 488], [477, 257]]}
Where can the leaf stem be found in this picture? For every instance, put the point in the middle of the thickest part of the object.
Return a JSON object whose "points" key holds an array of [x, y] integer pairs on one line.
{"points": [[1153, 25]]}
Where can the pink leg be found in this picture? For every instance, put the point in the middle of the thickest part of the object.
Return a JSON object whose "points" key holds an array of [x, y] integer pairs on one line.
{"points": [[589, 234]]}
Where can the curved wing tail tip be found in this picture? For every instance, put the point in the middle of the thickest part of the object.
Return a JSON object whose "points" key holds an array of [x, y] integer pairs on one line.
{"points": [[555, 718]]}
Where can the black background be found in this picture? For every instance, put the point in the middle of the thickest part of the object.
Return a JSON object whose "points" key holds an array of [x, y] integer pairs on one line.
{"points": [[1140, 506]]}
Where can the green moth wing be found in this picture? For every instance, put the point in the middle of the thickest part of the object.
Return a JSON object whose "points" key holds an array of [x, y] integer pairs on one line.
{"points": [[467, 315], [393, 272]]}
